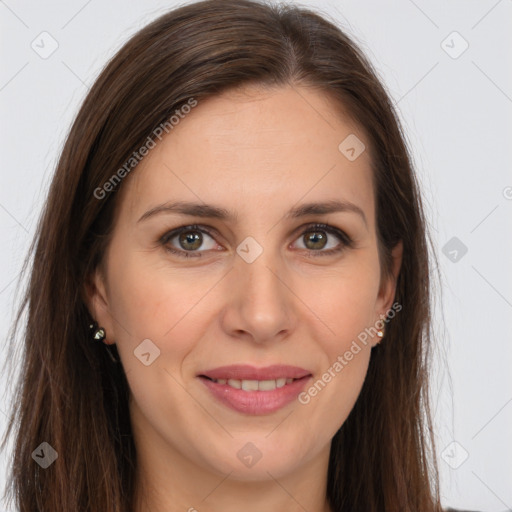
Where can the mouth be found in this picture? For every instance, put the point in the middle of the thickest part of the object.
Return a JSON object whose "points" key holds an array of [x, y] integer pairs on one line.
{"points": [[255, 391]]}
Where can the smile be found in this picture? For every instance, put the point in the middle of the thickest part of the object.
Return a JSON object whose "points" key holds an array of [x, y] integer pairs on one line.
{"points": [[255, 391]]}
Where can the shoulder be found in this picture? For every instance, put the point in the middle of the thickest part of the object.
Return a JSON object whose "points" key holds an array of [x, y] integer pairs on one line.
{"points": [[459, 510]]}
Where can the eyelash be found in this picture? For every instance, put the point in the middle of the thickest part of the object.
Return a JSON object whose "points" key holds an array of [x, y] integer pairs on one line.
{"points": [[346, 241]]}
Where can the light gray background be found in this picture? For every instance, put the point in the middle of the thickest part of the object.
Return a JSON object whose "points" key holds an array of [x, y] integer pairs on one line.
{"points": [[456, 112]]}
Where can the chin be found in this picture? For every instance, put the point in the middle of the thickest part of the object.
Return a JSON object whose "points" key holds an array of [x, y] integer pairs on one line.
{"points": [[257, 458]]}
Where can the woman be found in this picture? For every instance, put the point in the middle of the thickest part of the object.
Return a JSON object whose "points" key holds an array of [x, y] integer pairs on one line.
{"points": [[229, 300]]}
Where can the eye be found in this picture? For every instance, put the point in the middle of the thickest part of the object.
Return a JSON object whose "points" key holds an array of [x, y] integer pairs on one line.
{"points": [[186, 241], [320, 240]]}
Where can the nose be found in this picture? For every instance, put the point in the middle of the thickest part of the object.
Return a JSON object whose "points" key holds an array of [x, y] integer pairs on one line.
{"points": [[261, 306]]}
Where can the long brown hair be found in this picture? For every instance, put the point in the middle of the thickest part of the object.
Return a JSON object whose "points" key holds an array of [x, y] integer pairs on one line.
{"points": [[71, 395]]}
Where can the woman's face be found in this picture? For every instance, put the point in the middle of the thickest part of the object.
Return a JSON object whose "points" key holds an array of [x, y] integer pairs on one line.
{"points": [[254, 294]]}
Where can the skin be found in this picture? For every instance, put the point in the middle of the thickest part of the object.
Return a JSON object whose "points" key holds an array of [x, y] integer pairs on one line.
{"points": [[256, 152]]}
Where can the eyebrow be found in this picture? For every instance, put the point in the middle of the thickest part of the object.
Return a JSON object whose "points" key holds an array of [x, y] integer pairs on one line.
{"points": [[216, 212]]}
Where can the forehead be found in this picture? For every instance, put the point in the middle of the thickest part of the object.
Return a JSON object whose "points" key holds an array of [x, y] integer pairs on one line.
{"points": [[256, 148]]}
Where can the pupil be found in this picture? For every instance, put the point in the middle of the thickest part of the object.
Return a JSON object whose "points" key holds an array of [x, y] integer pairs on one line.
{"points": [[318, 240], [191, 237]]}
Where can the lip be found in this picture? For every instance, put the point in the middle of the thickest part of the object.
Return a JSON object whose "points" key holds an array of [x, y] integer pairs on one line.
{"points": [[255, 402]]}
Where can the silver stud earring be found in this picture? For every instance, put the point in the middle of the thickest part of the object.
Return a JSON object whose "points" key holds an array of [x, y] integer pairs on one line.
{"points": [[98, 333]]}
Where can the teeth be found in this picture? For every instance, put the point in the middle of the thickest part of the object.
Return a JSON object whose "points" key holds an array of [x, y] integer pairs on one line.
{"points": [[267, 385], [234, 383], [281, 382], [255, 385], [250, 385]]}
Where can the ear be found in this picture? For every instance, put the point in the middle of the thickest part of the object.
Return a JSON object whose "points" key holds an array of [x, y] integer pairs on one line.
{"points": [[388, 284], [96, 298]]}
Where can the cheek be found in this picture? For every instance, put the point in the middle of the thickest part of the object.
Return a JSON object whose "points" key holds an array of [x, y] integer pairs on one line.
{"points": [[345, 303], [331, 396], [151, 301], [344, 300], [149, 297]]}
